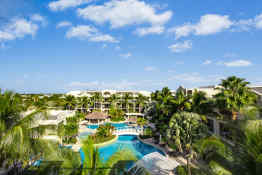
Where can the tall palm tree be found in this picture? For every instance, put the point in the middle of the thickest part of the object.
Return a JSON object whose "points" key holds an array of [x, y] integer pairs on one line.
{"points": [[185, 128], [83, 103], [181, 102], [97, 99], [17, 137], [200, 103], [128, 97], [141, 101], [113, 99], [250, 149], [69, 102], [234, 95]]}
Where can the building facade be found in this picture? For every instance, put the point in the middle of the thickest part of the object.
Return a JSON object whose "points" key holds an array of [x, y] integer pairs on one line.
{"points": [[131, 102]]}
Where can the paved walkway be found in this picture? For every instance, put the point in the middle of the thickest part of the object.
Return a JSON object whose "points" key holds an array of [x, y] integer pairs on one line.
{"points": [[179, 159]]}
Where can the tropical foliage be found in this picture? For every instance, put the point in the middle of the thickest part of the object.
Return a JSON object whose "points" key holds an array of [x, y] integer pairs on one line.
{"points": [[94, 165], [104, 133], [234, 95], [185, 128], [116, 114]]}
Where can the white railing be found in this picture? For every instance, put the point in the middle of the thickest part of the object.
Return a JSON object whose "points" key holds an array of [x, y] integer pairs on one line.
{"points": [[128, 130]]}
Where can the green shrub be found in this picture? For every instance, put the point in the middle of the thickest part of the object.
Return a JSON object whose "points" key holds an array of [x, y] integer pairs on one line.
{"points": [[217, 169], [181, 170]]}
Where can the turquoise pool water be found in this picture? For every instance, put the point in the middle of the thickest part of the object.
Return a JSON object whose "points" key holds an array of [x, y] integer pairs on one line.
{"points": [[129, 142], [116, 125]]}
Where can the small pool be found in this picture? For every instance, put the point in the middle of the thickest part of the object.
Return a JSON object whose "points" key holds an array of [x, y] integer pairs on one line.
{"points": [[116, 125], [126, 142]]}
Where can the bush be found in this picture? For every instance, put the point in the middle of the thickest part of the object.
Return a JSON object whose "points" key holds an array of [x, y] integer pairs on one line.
{"points": [[216, 168], [181, 170], [117, 119], [97, 139]]}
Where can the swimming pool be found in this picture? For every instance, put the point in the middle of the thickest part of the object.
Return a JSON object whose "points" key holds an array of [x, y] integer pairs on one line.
{"points": [[129, 142], [116, 125]]}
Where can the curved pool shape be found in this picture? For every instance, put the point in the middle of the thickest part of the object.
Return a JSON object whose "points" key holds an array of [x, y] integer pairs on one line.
{"points": [[116, 125], [129, 142]]}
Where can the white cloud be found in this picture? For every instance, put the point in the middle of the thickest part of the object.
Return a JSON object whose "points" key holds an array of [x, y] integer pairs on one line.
{"points": [[258, 21], [122, 13], [63, 24], [195, 78], [17, 28], [85, 32], [208, 24], [150, 68], [188, 77], [238, 63], [64, 4], [182, 31], [181, 46], [117, 48], [39, 18], [120, 85], [206, 62], [150, 30], [126, 55], [103, 38]]}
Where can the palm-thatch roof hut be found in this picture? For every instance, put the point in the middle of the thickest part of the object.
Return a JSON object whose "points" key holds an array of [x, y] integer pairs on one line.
{"points": [[96, 117]]}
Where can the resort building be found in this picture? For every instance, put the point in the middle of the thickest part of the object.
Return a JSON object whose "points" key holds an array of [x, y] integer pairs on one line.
{"points": [[52, 119], [258, 91], [209, 90], [128, 101]]}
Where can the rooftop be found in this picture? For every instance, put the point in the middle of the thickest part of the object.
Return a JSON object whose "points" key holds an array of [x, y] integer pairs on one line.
{"points": [[96, 115]]}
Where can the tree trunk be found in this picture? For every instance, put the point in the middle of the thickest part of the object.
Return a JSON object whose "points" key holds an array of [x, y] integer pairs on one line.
{"points": [[234, 115], [188, 166]]}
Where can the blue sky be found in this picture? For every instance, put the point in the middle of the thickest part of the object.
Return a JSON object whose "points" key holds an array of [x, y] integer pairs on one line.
{"points": [[62, 45]]}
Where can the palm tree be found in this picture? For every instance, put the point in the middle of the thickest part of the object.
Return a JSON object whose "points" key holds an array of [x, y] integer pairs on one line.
{"points": [[141, 101], [128, 97], [181, 102], [210, 146], [17, 138], [113, 99], [84, 102], [250, 149], [234, 95], [200, 103], [69, 102], [160, 109], [97, 99], [185, 128]]}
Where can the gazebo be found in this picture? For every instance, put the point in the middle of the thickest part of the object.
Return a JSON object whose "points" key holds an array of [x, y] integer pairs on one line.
{"points": [[96, 117]]}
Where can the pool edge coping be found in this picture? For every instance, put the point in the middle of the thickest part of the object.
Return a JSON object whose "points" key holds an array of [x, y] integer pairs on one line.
{"points": [[155, 146], [106, 143]]}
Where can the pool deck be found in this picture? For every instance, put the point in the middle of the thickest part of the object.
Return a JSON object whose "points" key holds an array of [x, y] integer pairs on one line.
{"points": [[150, 142], [179, 159]]}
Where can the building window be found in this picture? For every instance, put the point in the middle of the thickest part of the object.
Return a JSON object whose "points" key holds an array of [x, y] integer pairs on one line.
{"points": [[225, 131], [210, 125]]}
